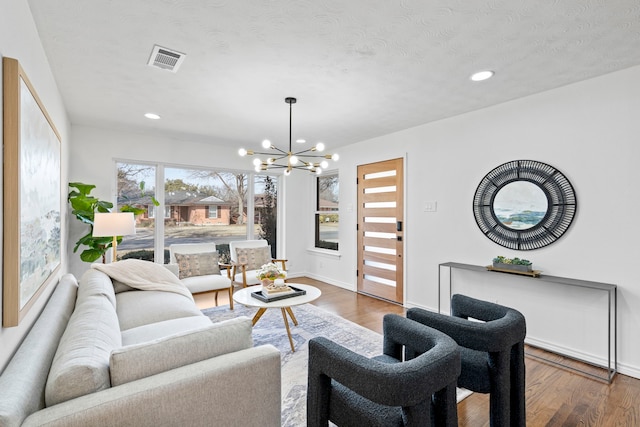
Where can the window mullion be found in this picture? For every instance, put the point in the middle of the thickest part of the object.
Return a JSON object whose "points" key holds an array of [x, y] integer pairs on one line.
{"points": [[159, 219]]}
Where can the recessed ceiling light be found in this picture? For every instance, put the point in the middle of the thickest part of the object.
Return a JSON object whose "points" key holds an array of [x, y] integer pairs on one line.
{"points": [[301, 141], [482, 75], [152, 116]]}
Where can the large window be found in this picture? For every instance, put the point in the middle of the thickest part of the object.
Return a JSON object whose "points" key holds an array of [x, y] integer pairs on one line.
{"points": [[327, 216], [136, 188], [199, 205], [207, 205], [266, 209]]}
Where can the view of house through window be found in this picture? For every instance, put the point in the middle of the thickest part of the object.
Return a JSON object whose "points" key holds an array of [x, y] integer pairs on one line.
{"points": [[327, 218], [199, 205]]}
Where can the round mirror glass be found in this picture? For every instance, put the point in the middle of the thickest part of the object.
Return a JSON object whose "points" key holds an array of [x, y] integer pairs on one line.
{"points": [[520, 205]]}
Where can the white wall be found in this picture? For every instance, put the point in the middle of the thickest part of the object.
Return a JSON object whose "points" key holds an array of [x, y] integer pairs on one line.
{"points": [[589, 132], [19, 40]]}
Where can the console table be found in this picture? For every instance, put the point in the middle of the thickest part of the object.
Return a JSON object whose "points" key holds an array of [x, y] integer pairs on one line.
{"points": [[612, 311]]}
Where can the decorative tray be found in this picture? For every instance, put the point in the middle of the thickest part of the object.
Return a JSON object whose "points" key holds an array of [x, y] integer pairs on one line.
{"points": [[532, 273], [264, 297]]}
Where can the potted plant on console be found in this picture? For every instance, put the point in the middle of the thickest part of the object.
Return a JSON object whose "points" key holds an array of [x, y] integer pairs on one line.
{"points": [[512, 264]]}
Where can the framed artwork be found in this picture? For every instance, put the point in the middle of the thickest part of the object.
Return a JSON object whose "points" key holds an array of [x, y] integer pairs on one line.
{"points": [[32, 196], [524, 205]]}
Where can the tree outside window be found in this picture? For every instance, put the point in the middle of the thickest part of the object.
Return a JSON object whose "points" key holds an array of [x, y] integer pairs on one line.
{"points": [[327, 218], [266, 207]]}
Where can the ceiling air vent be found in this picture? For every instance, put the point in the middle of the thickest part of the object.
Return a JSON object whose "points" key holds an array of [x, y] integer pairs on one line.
{"points": [[166, 59]]}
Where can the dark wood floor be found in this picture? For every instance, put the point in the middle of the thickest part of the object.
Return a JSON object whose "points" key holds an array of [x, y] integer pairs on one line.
{"points": [[555, 396]]}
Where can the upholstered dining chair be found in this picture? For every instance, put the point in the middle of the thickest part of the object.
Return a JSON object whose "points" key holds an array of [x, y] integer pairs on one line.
{"points": [[418, 389], [197, 266], [492, 353], [247, 256]]}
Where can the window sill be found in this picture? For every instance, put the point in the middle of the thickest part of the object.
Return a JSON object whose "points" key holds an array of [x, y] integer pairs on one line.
{"points": [[327, 253]]}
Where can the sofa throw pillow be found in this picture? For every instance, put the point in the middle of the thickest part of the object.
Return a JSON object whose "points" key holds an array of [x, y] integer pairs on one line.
{"points": [[201, 264], [254, 258], [164, 354]]}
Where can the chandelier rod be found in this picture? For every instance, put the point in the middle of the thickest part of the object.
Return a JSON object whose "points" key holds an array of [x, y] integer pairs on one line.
{"points": [[290, 100]]}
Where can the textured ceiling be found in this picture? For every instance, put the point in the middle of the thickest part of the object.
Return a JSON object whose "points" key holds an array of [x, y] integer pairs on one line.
{"points": [[359, 68]]}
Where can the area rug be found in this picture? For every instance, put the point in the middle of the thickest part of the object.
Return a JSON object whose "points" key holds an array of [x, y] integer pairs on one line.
{"points": [[312, 322]]}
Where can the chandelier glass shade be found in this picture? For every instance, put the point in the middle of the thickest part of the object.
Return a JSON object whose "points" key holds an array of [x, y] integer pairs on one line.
{"points": [[310, 159]]}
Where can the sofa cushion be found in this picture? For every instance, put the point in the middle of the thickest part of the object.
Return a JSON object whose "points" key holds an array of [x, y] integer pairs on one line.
{"points": [[201, 264], [81, 363], [254, 258], [251, 276], [162, 329], [137, 308], [143, 360], [208, 283]]}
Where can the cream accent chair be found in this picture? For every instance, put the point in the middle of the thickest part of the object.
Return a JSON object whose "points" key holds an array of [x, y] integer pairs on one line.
{"points": [[196, 283], [244, 272]]}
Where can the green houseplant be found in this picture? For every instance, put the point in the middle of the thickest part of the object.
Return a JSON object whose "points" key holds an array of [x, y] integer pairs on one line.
{"points": [[516, 263], [84, 206]]}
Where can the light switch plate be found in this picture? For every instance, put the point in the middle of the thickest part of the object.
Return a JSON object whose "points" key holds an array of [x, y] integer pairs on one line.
{"points": [[431, 206]]}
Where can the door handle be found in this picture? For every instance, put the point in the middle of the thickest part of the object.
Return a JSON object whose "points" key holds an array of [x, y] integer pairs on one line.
{"points": [[398, 225]]}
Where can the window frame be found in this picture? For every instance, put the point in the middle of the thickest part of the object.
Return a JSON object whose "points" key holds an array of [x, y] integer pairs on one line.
{"points": [[216, 208], [318, 212], [151, 211], [160, 177]]}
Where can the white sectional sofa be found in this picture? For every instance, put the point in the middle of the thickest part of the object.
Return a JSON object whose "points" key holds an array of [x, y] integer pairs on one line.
{"points": [[97, 357]]}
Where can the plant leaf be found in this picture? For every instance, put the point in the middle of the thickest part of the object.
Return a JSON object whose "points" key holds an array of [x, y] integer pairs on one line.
{"points": [[82, 188], [90, 255]]}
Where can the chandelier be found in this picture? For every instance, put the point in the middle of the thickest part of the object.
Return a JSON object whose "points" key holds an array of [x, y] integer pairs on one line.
{"points": [[288, 160]]}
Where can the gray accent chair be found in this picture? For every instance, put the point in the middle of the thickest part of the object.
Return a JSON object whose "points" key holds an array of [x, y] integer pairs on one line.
{"points": [[349, 389], [492, 352]]}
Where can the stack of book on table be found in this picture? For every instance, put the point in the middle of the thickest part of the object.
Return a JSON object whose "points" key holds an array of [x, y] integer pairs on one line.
{"points": [[275, 293]]}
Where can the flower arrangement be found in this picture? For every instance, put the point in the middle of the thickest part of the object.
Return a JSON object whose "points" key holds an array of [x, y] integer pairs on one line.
{"points": [[270, 272]]}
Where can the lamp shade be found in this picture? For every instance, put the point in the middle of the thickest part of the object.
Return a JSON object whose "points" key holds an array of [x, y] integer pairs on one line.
{"points": [[114, 224]]}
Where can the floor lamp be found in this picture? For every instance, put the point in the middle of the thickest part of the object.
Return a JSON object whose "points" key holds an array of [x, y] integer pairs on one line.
{"points": [[114, 224]]}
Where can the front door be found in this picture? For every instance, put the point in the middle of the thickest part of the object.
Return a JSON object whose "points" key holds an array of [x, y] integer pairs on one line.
{"points": [[381, 229]]}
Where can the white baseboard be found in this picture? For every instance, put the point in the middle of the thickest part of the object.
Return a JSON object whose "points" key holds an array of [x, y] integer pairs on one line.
{"points": [[343, 285], [628, 370], [424, 307], [570, 352]]}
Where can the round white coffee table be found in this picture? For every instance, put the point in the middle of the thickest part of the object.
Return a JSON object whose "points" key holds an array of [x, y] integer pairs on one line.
{"points": [[243, 296]]}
